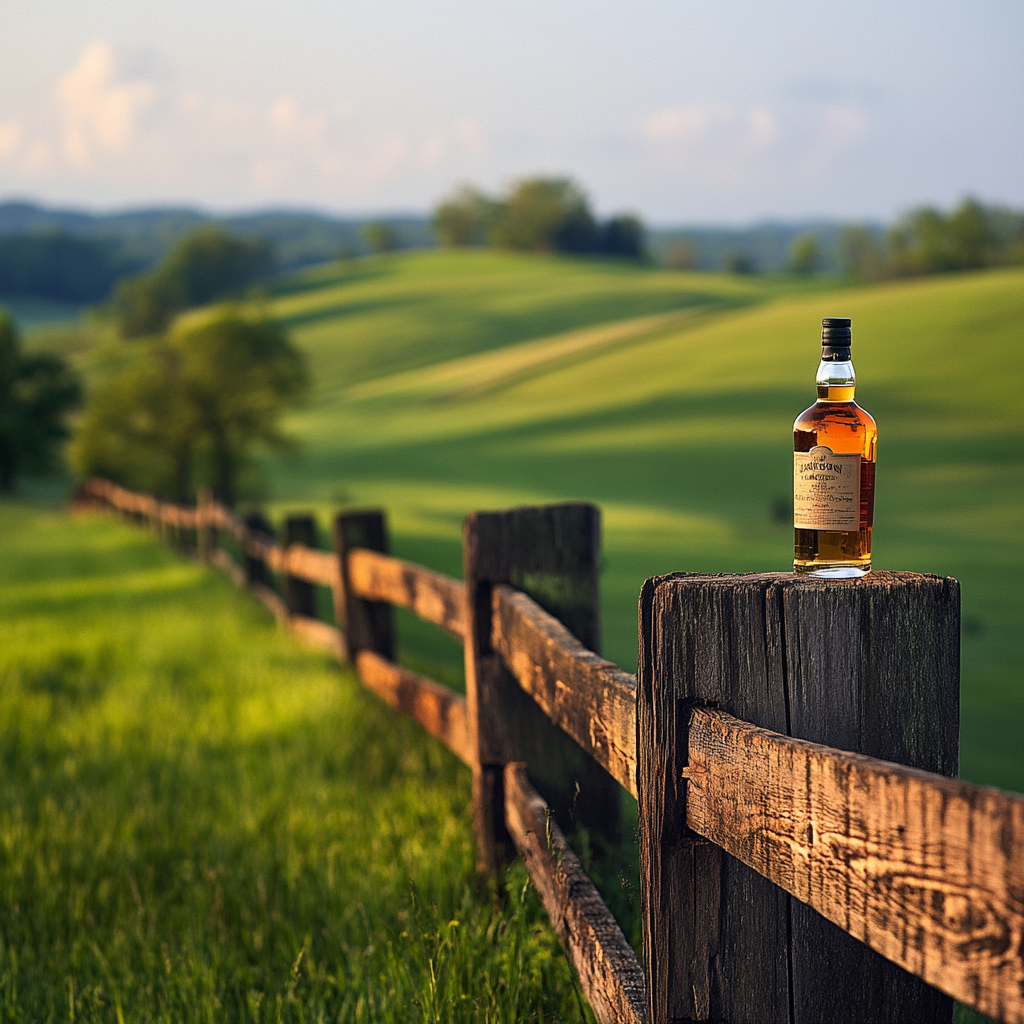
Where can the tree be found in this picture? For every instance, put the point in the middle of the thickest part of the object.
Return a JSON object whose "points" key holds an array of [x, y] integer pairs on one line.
{"points": [[380, 236], [465, 217], [739, 262], [860, 256], [191, 408], [36, 394], [207, 264], [805, 255], [623, 235], [545, 215]]}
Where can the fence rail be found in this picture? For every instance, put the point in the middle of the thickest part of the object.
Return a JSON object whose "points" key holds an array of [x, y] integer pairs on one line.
{"points": [[926, 870]]}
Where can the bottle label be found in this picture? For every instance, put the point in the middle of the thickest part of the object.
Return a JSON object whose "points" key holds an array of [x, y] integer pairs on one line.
{"points": [[826, 490]]}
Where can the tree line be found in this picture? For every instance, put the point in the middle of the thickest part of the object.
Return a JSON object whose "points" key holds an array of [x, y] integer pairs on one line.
{"points": [[536, 215]]}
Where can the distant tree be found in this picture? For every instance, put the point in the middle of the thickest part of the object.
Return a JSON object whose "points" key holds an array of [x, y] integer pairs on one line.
{"points": [[207, 264], [973, 239], [681, 255], [380, 236], [739, 262], [36, 394], [860, 256], [465, 217], [805, 255], [192, 407], [622, 235], [545, 215]]}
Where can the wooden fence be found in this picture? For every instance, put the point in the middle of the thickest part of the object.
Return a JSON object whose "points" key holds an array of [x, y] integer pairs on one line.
{"points": [[807, 854]]}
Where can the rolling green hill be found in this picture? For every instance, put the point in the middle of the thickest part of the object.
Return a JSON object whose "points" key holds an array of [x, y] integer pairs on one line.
{"points": [[451, 381]]}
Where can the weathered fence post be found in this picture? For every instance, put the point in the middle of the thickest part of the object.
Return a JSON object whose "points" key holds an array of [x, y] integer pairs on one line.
{"points": [[551, 553], [206, 527], [366, 625], [870, 666], [299, 595], [256, 573]]}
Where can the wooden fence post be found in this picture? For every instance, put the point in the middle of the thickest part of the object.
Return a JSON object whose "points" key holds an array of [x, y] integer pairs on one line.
{"points": [[256, 572], [206, 529], [365, 625], [870, 666], [299, 595], [551, 553]]}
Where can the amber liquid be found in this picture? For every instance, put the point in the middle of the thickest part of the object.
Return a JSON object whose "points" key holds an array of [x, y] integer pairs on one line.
{"points": [[837, 421]]}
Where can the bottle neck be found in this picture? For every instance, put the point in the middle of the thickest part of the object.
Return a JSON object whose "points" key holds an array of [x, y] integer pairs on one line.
{"points": [[835, 379]]}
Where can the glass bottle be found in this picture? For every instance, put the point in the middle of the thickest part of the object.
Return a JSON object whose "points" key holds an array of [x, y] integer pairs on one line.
{"points": [[834, 443]]}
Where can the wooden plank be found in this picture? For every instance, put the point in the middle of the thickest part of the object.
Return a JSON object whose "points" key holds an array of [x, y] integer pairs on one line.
{"points": [[319, 567], [318, 634], [869, 665], [926, 870], [271, 601], [431, 595], [611, 977], [588, 697], [441, 711], [550, 552], [226, 564]]}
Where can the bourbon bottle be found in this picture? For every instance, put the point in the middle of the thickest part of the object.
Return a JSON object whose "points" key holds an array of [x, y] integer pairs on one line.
{"points": [[834, 445]]}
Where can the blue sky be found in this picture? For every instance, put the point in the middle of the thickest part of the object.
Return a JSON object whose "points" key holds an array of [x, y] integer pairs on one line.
{"points": [[684, 112]]}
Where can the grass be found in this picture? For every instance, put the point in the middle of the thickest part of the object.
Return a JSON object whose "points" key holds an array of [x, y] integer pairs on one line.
{"points": [[199, 820]]}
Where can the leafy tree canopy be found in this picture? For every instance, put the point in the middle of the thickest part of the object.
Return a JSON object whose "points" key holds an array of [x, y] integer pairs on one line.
{"points": [[207, 264], [191, 408], [537, 215], [36, 394]]}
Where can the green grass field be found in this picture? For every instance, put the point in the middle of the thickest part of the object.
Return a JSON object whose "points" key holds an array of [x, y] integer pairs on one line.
{"points": [[201, 821], [447, 382]]}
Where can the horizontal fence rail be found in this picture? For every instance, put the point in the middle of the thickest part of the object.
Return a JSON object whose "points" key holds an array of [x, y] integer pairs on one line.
{"points": [[433, 597], [928, 871], [593, 700]]}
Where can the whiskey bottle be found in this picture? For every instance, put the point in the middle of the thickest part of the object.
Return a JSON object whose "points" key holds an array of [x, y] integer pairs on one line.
{"points": [[834, 445]]}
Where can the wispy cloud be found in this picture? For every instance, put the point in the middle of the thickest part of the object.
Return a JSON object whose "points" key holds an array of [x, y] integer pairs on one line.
{"points": [[99, 106]]}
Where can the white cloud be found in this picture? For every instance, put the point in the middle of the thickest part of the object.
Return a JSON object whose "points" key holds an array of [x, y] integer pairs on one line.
{"points": [[10, 136], [99, 106], [718, 125]]}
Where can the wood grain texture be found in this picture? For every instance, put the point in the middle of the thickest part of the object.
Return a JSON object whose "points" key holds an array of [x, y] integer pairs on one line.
{"points": [[550, 553], [431, 595], [926, 870], [441, 711], [609, 973], [588, 697], [869, 665]]}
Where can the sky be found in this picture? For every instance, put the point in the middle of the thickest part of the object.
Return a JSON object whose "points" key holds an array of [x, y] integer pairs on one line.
{"points": [[716, 112]]}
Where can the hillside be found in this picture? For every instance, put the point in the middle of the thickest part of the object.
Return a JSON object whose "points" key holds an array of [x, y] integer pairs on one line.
{"points": [[452, 381]]}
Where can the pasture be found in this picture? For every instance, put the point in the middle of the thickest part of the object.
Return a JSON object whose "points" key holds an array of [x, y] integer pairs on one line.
{"points": [[452, 381]]}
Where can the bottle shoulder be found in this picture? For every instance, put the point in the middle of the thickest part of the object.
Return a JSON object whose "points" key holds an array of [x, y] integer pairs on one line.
{"points": [[846, 413]]}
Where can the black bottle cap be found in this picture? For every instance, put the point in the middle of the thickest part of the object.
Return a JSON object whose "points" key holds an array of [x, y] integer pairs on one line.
{"points": [[836, 338]]}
